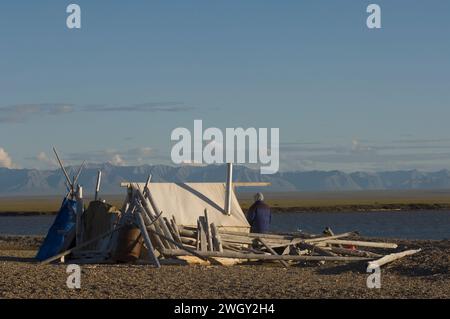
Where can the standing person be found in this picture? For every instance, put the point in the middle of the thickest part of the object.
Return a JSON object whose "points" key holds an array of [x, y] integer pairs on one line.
{"points": [[259, 215]]}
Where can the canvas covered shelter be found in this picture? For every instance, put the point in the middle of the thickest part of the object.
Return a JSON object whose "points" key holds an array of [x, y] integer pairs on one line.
{"points": [[187, 201]]}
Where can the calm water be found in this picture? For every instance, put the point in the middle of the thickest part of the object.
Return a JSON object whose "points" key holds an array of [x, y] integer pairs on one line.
{"points": [[408, 225]]}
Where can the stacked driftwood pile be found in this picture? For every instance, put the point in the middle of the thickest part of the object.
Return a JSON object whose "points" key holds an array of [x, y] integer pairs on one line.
{"points": [[164, 239], [207, 241], [212, 243]]}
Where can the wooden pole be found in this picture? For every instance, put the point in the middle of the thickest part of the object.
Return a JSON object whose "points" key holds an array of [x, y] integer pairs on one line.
{"points": [[64, 171], [208, 231], [79, 214], [172, 231], [80, 169], [148, 242], [175, 228], [201, 231], [229, 188], [360, 243], [97, 185], [285, 237], [238, 255], [145, 203], [216, 238], [149, 178], [391, 257], [313, 240], [152, 224], [151, 199]]}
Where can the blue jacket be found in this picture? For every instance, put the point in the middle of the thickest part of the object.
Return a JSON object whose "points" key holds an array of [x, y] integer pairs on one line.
{"points": [[259, 217]]}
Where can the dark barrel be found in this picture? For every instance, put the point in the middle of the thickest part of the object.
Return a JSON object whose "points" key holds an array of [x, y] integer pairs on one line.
{"points": [[129, 244]]}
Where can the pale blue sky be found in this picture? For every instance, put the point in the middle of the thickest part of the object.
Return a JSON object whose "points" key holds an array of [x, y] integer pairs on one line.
{"points": [[344, 97]]}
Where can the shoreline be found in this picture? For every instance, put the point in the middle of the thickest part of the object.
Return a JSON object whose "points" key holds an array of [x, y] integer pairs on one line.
{"points": [[423, 275], [302, 209]]}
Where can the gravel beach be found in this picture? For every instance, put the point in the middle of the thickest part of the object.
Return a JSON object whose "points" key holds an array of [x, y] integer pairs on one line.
{"points": [[424, 275]]}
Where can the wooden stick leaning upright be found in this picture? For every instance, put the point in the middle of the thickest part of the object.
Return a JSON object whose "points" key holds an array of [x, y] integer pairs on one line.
{"points": [[140, 222]]}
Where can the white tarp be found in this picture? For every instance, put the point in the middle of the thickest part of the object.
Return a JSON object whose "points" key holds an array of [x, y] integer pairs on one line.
{"points": [[187, 201]]}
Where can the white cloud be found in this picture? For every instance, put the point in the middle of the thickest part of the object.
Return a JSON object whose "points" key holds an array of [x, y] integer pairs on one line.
{"points": [[133, 156], [117, 160], [5, 159], [43, 158]]}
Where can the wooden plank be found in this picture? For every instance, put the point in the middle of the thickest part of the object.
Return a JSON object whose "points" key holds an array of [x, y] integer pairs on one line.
{"points": [[273, 252], [361, 243], [256, 235], [391, 257], [217, 242], [251, 184], [198, 234], [203, 240], [249, 240], [232, 240], [208, 231]]}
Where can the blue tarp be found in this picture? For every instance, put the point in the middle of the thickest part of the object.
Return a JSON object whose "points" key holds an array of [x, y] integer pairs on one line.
{"points": [[58, 233]]}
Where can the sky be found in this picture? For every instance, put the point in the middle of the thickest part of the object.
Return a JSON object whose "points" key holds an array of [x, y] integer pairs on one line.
{"points": [[343, 96]]}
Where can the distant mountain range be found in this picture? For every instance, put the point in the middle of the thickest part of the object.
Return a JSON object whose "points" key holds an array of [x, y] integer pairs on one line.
{"points": [[51, 182]]}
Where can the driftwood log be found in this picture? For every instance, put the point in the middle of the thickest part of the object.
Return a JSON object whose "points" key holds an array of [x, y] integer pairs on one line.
{"points": [[239, 255], [391, 257]]}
